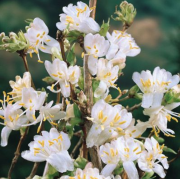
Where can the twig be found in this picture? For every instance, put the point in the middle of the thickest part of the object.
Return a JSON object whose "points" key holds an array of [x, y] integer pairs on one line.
{"points": [[134, 107], [34, 170], [58, 95], [17, 153], [60, 39], [123, 99], [22, 54], [92, 4], [76, 147]]}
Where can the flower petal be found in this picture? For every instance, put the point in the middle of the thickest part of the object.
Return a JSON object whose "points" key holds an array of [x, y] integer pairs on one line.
{"points": [[5, 135]]}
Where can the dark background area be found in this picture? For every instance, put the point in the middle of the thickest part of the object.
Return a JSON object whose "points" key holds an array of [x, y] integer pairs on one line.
{"points": [[156, 30]]}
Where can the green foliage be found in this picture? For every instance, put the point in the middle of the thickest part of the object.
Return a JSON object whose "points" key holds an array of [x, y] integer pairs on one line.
{"points": [[104, 28], [119, 169], [171, 97], [13, 43], [73, 36], [80, 162], [77, 112], [71, 57]]}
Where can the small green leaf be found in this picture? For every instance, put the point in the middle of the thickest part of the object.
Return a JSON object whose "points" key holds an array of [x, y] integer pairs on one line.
{"points": [[49, 80], [148, 175], [119, 169], [71, 57], [80, 162], [95, 84], [104, 28], [81, 80], [133, 91], [23, 130], [75, 121], [167, 149], [77, 112], [73, 36]]}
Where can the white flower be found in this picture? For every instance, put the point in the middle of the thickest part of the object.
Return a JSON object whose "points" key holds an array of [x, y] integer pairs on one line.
{"points": [[31, 101], [107, 120], [78, 18], [122, 45], [89, 173], [149, 160], [39, 39], [159, 116], [153, 86], [13, 120], [50, 113], [69, 111], [51, 147], [127, 151], [107, 74], [95, 46], [63, 75], [19, 84]]}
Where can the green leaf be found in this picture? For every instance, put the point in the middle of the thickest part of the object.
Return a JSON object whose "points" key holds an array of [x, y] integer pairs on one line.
{"points": [[167, 149], [148, 175], [49, 80], [80, 162], [75, 121], [81, 80], [133, 91], [119, 169], [23, 130], [77, 112], [95, 84], [71, 57], [73, 36], [104, 28]]}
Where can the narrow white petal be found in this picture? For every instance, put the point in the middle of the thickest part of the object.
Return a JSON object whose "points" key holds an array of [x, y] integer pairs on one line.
{"points": [[5, 135], [108, 169], [131, 170]]}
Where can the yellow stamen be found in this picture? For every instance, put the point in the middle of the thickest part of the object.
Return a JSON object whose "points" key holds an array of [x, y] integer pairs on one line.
{"points": [[135, 149], [82, 55], [100, 115], [41, 143], [38, 35], [39, 61]]}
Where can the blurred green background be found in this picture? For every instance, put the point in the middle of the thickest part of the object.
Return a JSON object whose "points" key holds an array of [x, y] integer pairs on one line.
{"points": [[156, 30]]}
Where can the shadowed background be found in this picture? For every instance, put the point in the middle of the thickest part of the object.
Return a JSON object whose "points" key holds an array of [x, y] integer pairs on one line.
{"points": [[156, 31]]}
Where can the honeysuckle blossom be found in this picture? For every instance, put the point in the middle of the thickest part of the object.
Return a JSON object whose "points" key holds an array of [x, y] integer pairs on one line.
{"points": [[149, 160], [63, 75], [121, 45], [78, 18], [107, 74], [12, 120], [106, 120], [95, 46], [31, 101], [37, 35], [49, 113], [19, 84], [153, 86], [159, 116], [121, 150], [51, 147], [88, 173]]}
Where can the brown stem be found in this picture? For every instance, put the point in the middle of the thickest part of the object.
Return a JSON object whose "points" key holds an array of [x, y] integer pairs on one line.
{"points": [[34, 170], [58, 95], [17, 153], [60, 39], [92, 4], [136, 106], [22, 54]]}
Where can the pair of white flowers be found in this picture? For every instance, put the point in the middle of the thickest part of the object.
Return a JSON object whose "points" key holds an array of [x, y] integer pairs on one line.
{"points": [[24, 96], [154, 86], [127, 151], [110, 122]]}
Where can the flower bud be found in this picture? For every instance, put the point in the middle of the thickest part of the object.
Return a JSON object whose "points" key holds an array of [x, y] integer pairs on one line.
{"points": [[133, 91], [82, 97], [126, 14], [56, 53]]}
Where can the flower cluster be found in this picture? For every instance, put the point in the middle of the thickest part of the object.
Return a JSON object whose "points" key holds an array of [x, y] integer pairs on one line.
{"points": [[84, 106]]}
